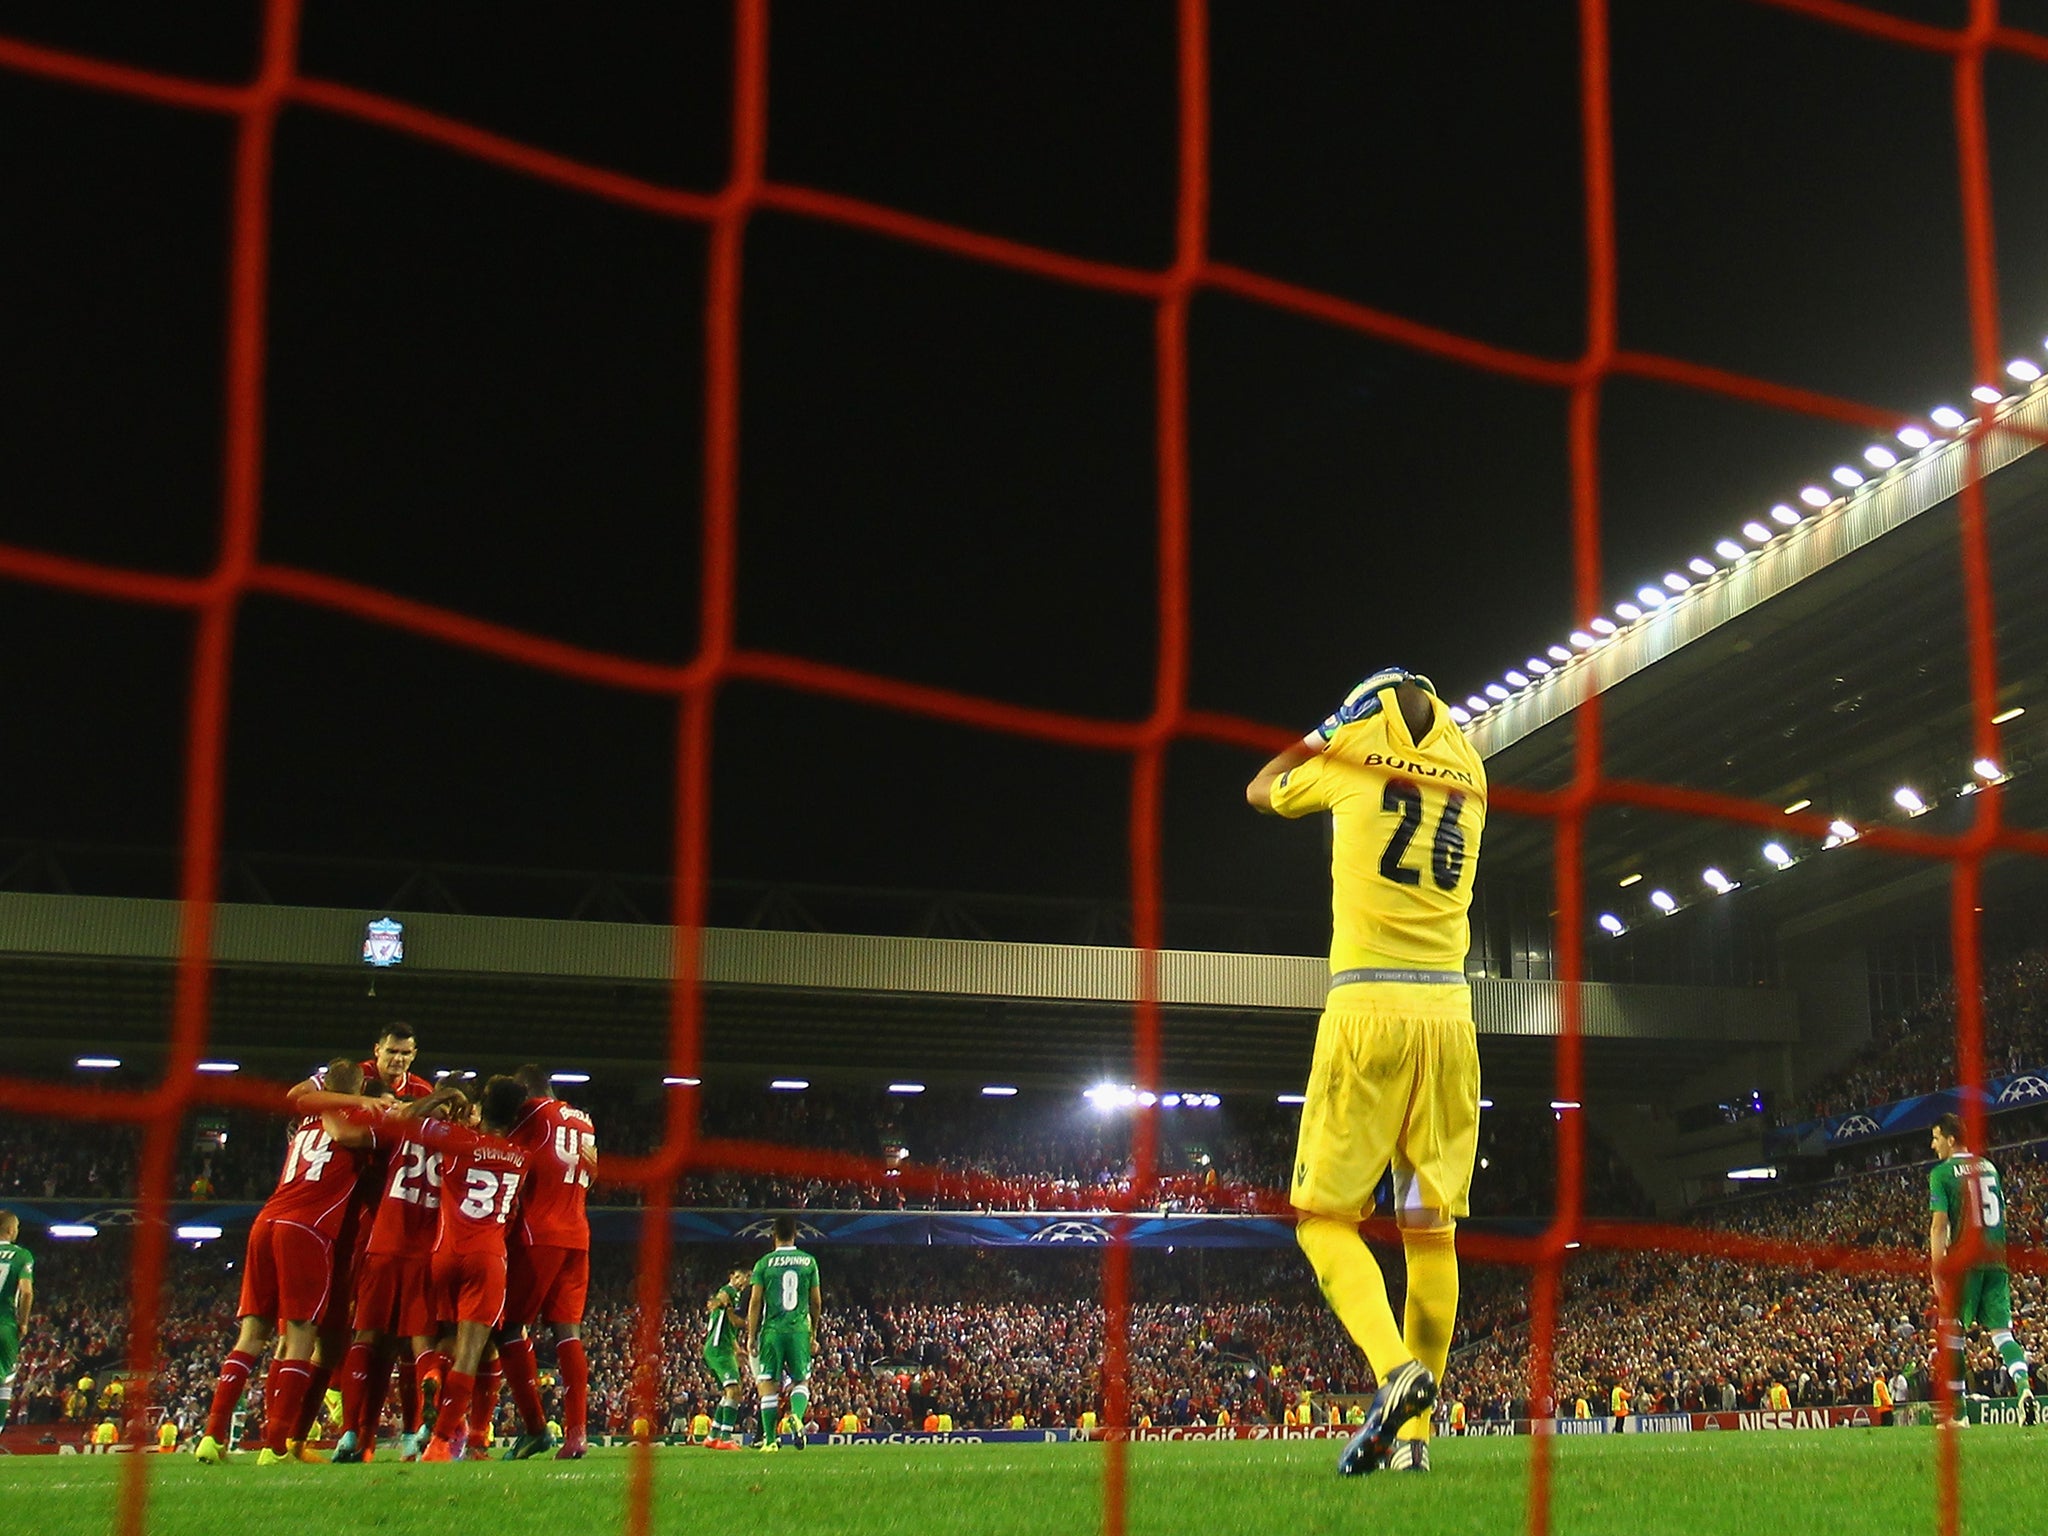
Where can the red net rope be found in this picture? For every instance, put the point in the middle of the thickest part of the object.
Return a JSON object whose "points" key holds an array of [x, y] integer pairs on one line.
{"points": [[213, 599]]}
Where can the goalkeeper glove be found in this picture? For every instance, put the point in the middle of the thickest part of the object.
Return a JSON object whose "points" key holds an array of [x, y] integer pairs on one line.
{"points": [[1363, 702]]}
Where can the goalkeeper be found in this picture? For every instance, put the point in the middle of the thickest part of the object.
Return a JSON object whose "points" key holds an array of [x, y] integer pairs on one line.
{"points": [[1395, 1079]]}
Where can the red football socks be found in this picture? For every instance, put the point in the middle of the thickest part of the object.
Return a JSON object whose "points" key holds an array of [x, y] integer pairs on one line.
{"points": [[409, 1368], [234, 1376], [575, 1387], [484, 1404], [456, 1388], [312, 1402], [284, 1393], [355, 1385], [523, 1377]]}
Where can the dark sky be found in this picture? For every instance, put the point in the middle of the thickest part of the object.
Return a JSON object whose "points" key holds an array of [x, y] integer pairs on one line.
{"points": [[485, 393]]}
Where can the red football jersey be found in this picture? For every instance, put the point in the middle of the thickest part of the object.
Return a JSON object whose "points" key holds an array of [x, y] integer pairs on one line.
{"points": [[409, 1202], [377, 1179], [481, 1177], [318, 1180], [553, 1135]]}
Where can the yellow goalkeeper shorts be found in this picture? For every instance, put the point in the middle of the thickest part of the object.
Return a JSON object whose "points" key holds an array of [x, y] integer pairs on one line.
{"points": [[1395, 1084]]}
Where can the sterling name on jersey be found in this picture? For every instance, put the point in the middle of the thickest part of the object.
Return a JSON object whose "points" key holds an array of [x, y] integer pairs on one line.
{"points": [[1408, 817]]}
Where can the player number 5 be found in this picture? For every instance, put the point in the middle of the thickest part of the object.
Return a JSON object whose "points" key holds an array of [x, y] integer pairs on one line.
{"points": [[1447, 847]]}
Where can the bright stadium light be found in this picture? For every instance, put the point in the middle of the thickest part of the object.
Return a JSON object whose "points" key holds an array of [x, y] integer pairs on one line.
{"points": [[1486, 1103], [1988, 393], [1728, 549], [1947, 417], [682, 1082], [1581, 639], [998, 1091], [1629, 880], [1461, 714], [790, 1084], [219, 1066], [1914, 438], [568, 1077], [97, 1063], [1676, 582], [1629, 611], [71, 1229], [1212, 1101], [1756, 533], [1879, 457], [1814, 497], [1984, 768], [1496, 691], [2026, 372], [1169, 1101], [1717, 880], [2005, 715], [1612, 924], [1846, 477], [1797, 805], [1842, 829], [1516, 679], [1651, 597], [196, 1233], [1752, 1173], [1558, 653], [1296, 1098], [1146, 1098], [1776, 853], [1663, 901], [1563, 1104], [1476, 704], [906, 1088], [1602, 625], [1700, 567], [1908, 800], [1537, 665], [1784, 514]]}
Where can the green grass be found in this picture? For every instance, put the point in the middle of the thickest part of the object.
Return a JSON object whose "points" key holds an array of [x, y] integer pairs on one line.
{"points": [[1701, 1485]]}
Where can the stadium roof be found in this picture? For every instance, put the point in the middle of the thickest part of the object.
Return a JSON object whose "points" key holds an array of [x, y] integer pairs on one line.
{"points": [[91, 973], [1830, 666]]}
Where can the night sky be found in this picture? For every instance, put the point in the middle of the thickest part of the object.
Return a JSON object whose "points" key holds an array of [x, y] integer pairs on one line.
{"points": [[486, 393]]}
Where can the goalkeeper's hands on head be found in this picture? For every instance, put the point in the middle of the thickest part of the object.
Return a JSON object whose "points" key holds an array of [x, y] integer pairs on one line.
{"points": [[1362, 703]]}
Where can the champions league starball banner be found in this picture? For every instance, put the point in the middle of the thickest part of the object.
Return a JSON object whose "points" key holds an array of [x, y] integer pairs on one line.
{"points": [[2019, 1090]]}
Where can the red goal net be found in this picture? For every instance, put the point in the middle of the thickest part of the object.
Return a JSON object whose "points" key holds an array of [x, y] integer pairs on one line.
{"points": [[254, 107]]}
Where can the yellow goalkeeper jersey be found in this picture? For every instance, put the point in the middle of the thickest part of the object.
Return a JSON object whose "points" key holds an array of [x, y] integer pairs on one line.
{"points": [[1408, 817]]}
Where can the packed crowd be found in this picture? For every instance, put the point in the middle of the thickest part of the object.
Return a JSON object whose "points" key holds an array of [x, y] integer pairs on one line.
{"points": [[941, 1151], [1700, 1333], [1916, 1052]]}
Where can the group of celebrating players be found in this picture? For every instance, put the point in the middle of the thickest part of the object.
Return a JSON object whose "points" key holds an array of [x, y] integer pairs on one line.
{"points": [[416, 1227]]}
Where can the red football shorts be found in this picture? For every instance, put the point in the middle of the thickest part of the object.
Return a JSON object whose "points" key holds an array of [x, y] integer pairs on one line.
{"points": [[394, 1294], [470, 1287], [288, 1272], [546, 1284]]}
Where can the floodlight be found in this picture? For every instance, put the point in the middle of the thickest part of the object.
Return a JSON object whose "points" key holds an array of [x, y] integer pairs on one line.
{"points": [[195, 1233], [1676, 582], [1700, 567], [1776, 853], [1537, 665], [1612, 924], [1558, 653], [1756, 533], [1663, 901], [1517, 679], [2009, 714], [1602, 626], [71, 1229], [1728, 549], [1581, 639], [1844, 476], [1796, 806], [1878, 457], [1814, 497], [1784, 514], [1461, 714], [219, 1066], [1947, 417], [568, 1077], [1628, 611], [2026, 372], [1908, 800], [1717, 880], [998, 1091], [1296, 1098], [906, 1087], [1913, 437], [1629, 880], [1496, 691], [1651, 597], [790, 1084], [97, 1063], [1988, 393], [1986, 769], [1843, 830], [682, 1082]]}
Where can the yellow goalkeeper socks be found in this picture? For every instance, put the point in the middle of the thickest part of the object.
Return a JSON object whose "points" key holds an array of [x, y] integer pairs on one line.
{"points": [[1432, 1305], [1354, 1287]]}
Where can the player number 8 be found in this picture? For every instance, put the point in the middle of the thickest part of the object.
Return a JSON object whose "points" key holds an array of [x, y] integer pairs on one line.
{"points": [[789, 1290]]}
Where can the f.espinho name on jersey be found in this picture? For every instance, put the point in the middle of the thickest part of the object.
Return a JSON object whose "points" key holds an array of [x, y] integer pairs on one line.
{"points": [[1420, 770], [784, 1259]]}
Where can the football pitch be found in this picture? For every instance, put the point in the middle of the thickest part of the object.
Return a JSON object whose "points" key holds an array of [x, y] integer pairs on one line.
{"points": [[1702, 1485]]}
